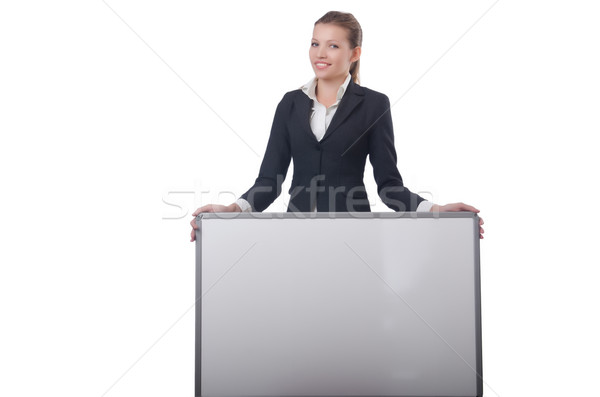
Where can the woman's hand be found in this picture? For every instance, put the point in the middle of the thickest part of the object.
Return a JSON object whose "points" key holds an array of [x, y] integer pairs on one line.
{"points": [[211, 208], [459, 207]]}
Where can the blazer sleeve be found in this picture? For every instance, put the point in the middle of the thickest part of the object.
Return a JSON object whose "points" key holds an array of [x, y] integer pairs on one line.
{"points": [[275, 163], [382, 155]]}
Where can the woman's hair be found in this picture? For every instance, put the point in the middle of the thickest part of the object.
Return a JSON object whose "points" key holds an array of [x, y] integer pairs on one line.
{"points": [[348, 22]]}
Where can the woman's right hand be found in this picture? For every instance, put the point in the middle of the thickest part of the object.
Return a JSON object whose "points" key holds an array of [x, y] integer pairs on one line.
{"points": [[211, 208]]}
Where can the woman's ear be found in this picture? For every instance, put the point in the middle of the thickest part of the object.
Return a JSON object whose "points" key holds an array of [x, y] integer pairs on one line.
{"points": [[355, 54]]}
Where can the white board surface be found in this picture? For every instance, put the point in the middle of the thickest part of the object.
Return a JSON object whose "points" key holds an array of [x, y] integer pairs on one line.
{"points": [[339, 306]]}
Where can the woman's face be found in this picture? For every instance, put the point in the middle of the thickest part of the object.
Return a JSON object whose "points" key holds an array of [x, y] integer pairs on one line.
{"points": [[330, 53]]}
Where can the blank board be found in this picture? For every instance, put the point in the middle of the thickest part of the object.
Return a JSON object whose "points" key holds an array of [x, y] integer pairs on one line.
{"points": [[338, 304]]}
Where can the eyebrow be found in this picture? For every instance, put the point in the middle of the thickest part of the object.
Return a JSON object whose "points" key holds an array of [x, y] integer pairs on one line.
{"points": [[327, 41]]}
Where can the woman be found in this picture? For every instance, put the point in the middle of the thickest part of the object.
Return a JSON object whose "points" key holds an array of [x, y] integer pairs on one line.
{"points": [[329, 127]]}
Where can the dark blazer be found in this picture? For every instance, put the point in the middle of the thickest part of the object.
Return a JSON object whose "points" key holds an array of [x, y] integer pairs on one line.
{"points": [[330, 171]]}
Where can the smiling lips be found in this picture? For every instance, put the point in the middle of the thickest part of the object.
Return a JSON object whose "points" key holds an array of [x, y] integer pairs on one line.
{"points": [[321, 65]]}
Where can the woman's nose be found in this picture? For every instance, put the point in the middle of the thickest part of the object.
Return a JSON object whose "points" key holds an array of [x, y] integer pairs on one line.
{"points": [[321, 52]]}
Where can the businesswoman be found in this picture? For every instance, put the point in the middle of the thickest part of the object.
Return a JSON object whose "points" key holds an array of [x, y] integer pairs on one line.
{"points": [[328, 128]]}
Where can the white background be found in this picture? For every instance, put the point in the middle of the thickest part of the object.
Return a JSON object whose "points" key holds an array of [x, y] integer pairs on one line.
{"points": [[110, 111]]}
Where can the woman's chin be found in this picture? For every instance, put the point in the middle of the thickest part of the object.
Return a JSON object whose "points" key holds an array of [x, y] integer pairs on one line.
{"points": [[324, 75]]}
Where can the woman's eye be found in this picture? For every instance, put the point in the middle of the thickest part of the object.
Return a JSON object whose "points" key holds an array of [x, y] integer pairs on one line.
{"points": [[314, 44], [334, 46]]}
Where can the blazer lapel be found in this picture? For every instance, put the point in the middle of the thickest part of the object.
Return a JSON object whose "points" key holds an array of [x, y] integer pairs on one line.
{"points": [[304, 106], [352, 97]]}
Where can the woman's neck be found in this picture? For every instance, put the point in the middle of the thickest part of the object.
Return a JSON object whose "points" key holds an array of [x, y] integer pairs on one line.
{"points": [[327, 90]]}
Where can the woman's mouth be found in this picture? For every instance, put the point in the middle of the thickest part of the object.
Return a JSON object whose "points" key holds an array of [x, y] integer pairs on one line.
{"points": [[321, 65]]}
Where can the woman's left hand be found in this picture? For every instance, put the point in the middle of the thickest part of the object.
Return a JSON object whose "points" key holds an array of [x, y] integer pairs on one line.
{"points": [[454, 207]]}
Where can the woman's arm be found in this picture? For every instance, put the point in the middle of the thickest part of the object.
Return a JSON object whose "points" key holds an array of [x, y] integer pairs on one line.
{"points": [[272, 172], [382, 155], [275, 164]]}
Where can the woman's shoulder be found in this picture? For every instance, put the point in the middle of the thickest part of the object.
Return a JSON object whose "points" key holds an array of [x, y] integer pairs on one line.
{"points": [[369, 93], [291, 95], [375, 98], [289, 101]]}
